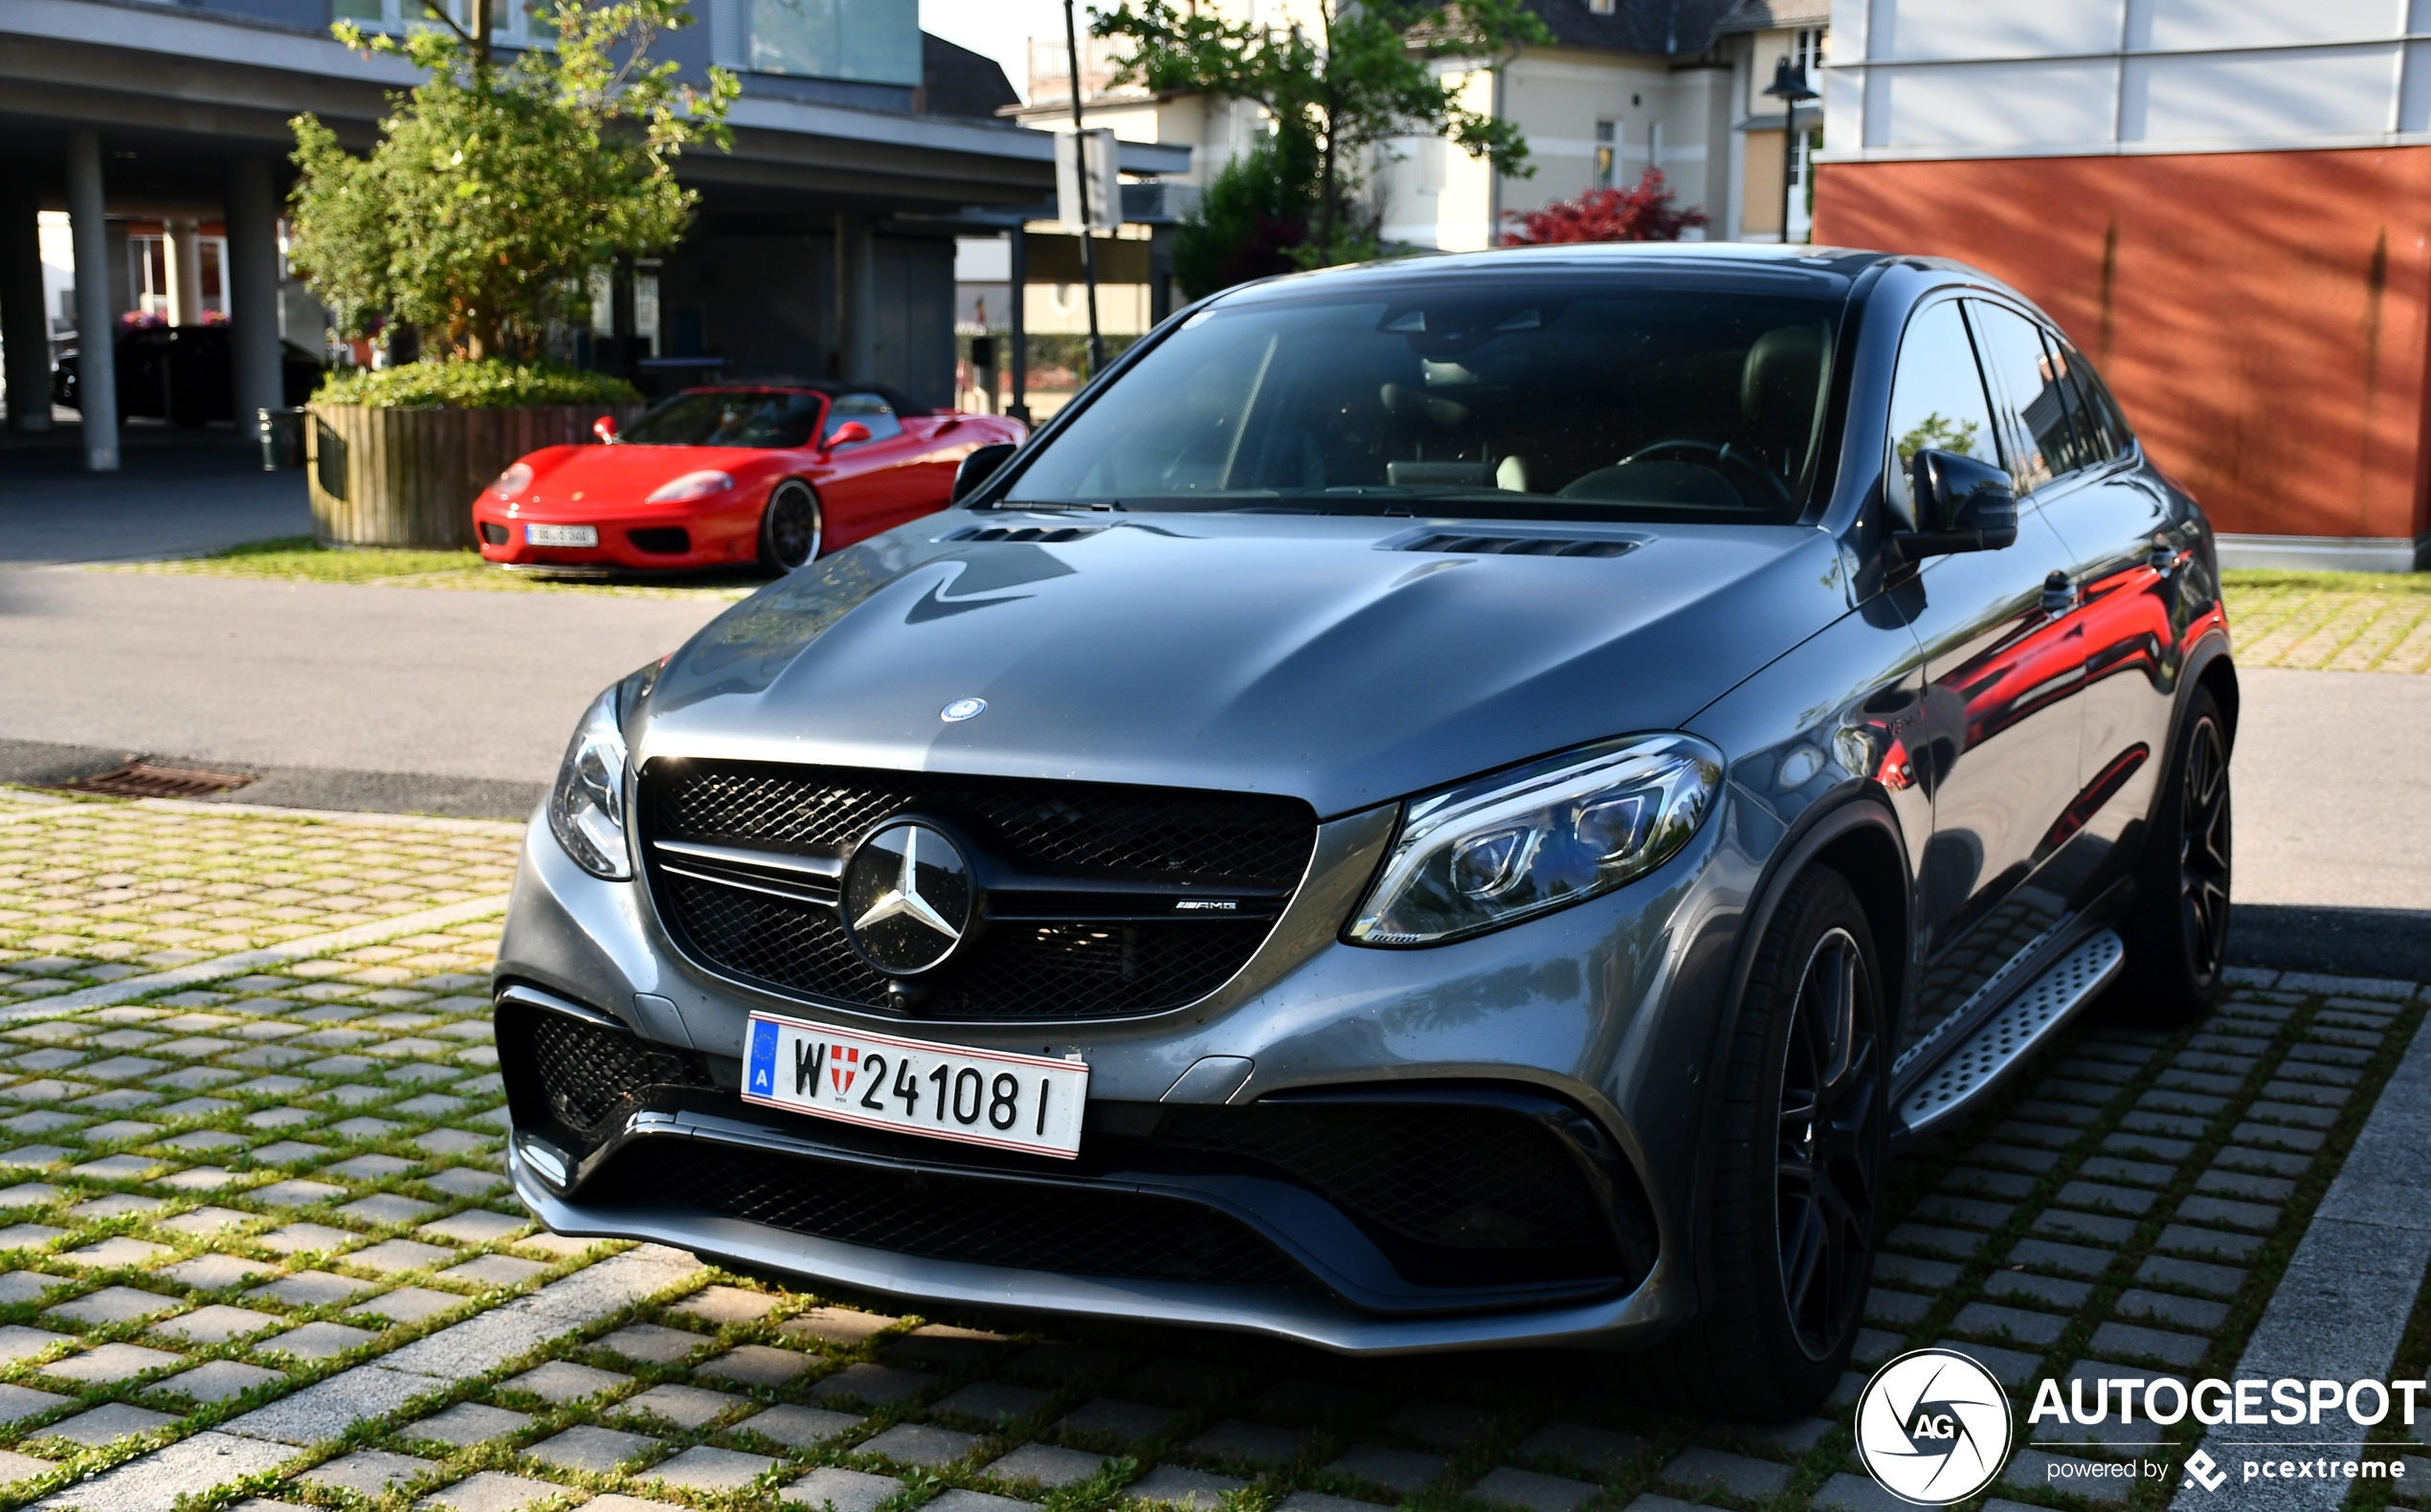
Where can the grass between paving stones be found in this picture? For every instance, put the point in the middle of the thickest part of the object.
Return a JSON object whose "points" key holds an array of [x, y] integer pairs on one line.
{"points": [[301, 559], [2336, 622]]}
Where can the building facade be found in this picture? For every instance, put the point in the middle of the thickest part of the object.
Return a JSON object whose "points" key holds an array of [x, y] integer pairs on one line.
{"points": [[2228, 207], [824, 243]]}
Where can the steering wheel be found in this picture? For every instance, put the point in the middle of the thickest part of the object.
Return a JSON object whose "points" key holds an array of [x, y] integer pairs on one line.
{"points": [[1736, 465]]}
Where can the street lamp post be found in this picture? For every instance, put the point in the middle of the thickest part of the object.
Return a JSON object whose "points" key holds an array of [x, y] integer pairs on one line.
{"points": [[1789, 86], [1080, 157]]}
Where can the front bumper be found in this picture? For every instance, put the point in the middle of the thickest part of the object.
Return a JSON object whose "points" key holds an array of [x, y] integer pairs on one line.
{"points": [[714, 533], [1605, 1009]]}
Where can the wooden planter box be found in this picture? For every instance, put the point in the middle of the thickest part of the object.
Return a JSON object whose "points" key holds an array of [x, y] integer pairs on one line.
{"points": [[407, 477]]}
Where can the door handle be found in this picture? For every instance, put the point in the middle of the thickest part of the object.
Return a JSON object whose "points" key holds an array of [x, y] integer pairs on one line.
{"points": [[2162, 557], [2058, 594]]}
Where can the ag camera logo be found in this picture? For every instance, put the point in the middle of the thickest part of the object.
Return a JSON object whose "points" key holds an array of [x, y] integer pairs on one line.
{"points": [[1933, 1427]]}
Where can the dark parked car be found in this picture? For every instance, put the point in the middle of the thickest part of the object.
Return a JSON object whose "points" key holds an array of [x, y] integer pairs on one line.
{"points": [[1446, 804], [184, 374]]}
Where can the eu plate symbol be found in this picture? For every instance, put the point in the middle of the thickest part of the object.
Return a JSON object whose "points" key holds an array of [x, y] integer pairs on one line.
{"points": [[764, 1057]]}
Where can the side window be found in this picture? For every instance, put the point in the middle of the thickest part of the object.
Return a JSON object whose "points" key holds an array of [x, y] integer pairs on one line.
{"points": [[2093, 442], [2108, 420], [1938, 400], [869, 410], [2029, 393]]}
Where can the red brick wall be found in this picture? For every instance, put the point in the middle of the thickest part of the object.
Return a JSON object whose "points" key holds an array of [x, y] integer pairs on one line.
{"points": [[2265, 318]]}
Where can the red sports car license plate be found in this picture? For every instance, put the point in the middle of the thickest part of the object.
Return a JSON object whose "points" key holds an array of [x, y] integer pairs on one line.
{"points": [[980, 1096]]}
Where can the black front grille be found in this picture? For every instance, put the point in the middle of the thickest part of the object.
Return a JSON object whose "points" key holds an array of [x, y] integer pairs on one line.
{"points": [[582, 1076], [1016, 968], [1447, 1176], [984, 1221], [666, 541]]}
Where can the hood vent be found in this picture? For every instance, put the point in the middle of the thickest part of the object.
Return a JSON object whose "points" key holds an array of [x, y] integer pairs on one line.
{"points": [[1514, 545], [1046, 533]]}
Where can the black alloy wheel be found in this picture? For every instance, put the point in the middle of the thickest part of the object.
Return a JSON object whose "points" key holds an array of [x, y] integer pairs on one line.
{"points": [[1800, 1130], [2177, 933], [2203, 848], [1826, 1168], [790, 527]]}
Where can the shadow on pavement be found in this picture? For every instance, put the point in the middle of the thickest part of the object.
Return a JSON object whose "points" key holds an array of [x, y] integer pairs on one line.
{"points": [[2392, 942]]}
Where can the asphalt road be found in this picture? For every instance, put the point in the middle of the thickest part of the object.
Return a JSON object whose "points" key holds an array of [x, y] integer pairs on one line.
{"points": [[177, 493], [432, 681]]}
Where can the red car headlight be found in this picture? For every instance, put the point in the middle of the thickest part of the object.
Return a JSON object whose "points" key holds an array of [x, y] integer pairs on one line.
{"points": [[517, 478], [691, 486]]}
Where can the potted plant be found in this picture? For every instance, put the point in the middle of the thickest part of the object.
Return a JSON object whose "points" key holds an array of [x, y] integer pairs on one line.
{"points": [[496, 190]]}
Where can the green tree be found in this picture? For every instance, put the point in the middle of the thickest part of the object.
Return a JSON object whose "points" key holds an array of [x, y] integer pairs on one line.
{"points": [[1364, 75], [496, 192]]}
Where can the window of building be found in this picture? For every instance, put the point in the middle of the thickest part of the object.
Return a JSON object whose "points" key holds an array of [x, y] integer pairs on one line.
{"points": [[1599, 6], [515, 23], [876, 42], [1607, 153]]}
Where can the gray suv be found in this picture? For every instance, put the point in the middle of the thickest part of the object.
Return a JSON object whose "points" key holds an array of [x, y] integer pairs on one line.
{"points": [[1457, 803]]}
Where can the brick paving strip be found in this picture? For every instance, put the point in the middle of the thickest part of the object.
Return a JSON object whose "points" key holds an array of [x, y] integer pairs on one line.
{"points": [[260, 1256], [2343, 1302]]}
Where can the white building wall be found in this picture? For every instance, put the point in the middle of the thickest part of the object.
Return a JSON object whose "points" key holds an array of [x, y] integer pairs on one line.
{"points": [[1957, 78]]}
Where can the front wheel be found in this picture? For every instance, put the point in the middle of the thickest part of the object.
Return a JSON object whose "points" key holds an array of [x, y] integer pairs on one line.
{"points": [[790, 527], [1798, 1169], [2177, 937]]}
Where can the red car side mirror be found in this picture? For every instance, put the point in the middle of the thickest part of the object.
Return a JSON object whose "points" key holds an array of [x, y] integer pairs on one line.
{"points": [[605, 428], [845, 434]]}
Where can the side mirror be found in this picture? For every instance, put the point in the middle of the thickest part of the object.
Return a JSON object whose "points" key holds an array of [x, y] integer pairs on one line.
{"points": [[845, 434], [978, 467], [1962, 504], [605, 428]]}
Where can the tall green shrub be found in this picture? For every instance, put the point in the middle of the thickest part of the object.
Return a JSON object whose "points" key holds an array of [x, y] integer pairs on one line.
{"points": [[496, 190], [1251, 221]]}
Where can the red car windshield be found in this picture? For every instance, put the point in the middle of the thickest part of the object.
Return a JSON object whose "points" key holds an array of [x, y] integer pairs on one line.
{"points": [[729, 418]]}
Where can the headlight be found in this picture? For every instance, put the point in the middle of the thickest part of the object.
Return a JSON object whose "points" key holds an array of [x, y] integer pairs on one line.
{"points": [[1534, 838], [517, 478], [691, 486], [586, 807]]}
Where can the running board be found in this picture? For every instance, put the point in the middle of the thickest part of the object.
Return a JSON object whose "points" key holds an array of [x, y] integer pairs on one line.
{"points": [[2013, 1031]]}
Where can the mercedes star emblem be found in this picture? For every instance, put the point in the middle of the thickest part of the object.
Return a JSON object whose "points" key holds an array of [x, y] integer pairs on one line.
{"points": [[909, 898], [962, 709]]}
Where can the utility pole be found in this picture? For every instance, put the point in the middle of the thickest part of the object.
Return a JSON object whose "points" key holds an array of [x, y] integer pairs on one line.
{"points": [[1081, 160]]}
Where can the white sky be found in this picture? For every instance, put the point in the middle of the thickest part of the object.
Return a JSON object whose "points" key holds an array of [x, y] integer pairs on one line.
{"points": [[1001, 29]]}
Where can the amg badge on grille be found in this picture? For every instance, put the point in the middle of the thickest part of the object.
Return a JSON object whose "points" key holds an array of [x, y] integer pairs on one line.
{"points": [[909, 898]]}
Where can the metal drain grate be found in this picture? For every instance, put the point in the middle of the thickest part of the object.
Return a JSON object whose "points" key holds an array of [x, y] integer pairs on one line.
{"points": [[140, 778]]}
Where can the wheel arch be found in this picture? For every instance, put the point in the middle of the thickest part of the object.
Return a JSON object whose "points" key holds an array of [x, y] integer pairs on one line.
{"points": [[1859, 837]]}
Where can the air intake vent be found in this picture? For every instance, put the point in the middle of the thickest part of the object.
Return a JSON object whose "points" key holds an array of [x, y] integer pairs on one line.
{"points": [[1048, 533], [1515, 546]]}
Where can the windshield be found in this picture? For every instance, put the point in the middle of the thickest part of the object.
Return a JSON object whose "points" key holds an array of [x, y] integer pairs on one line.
{"points": [[1514, 398], [711, 418]]}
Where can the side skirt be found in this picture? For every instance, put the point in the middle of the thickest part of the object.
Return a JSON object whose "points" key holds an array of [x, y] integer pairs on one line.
{"points": [[2011, 1034]]}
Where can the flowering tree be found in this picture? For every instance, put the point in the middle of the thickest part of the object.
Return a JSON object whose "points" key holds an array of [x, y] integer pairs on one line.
{"points": [[1642, 214], [496, 190]]}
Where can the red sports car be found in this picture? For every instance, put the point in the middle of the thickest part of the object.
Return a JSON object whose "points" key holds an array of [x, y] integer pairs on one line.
{"points": [[772, 473]]}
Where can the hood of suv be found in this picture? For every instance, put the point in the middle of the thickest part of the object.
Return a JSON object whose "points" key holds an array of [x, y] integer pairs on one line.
{"points": [[1346, 662]]}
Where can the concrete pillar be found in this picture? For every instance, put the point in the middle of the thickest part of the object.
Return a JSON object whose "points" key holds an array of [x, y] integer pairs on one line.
{"points": [[25, 325], [856, 298], [97, 358], [185, 272], [251, 278]]}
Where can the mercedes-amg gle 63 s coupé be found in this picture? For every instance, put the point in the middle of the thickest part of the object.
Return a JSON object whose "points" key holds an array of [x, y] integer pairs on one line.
{"points": [[1458, 803]]}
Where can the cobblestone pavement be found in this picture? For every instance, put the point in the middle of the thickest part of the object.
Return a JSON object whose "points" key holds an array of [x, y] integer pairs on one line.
{"points": [[258, 1254], [2331, 622]]}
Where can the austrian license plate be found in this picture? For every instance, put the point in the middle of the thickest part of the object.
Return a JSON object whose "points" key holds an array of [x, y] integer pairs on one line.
{"points": [[980, 1096], [561, 535]]}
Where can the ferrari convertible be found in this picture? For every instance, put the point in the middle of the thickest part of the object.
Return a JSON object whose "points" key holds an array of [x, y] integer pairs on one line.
{"points": [[773, 474]]}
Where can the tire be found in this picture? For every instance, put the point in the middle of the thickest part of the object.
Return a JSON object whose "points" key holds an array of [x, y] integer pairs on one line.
{"points": [[1794, 1216], [792, 527], [2177, 933]]}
